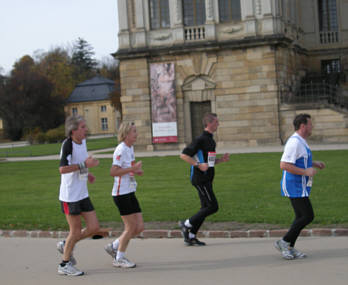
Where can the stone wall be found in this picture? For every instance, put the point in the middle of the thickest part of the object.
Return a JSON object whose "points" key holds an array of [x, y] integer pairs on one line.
{"points": [[246, 97], [135, 97], [329, 126], [240, 83]]}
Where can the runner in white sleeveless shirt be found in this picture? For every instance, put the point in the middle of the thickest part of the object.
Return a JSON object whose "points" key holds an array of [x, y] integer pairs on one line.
{"points": [[124, 168]]}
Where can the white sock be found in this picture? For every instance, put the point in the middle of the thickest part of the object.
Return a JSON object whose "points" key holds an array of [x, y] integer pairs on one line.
{"points": [[115, 244], [191, 235], [187, 224], [120, 255]]}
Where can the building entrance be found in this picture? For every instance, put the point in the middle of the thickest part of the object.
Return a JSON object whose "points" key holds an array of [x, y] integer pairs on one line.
{"points": [[198, 109]]}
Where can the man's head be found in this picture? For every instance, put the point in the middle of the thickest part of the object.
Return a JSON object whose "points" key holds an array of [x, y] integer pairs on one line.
{"points": [[210, 122], [303, 125]]}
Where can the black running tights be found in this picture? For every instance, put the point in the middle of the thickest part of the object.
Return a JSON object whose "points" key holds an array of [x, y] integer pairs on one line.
{"points": [[303, 216], [209, 206]]}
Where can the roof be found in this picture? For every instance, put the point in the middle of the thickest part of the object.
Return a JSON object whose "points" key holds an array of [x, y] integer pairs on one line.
{"points": [[96, 89]]}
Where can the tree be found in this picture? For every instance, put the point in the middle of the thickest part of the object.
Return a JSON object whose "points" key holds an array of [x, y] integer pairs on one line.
{"points": [[82, 59], [56, 66], [26, 101]]}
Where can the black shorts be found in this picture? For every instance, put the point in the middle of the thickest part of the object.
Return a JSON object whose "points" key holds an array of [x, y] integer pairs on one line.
{"points": [[76, 208], [127, 204]]}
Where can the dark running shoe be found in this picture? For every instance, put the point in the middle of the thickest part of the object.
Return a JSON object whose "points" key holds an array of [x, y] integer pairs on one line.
{"points": [[184, 231], [194, 242]]}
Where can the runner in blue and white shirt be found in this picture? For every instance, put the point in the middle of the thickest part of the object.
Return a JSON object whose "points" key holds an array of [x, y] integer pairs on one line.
{"points": [[296, 183]]}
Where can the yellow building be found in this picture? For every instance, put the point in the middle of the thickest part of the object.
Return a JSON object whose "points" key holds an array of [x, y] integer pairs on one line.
{"points": [[91, 100]]}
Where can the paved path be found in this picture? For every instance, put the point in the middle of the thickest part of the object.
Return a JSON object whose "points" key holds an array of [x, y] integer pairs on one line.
{"points": [[258, 149], [168, 261]]}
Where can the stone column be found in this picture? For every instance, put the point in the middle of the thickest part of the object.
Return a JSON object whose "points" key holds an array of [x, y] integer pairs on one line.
{"points": [[176, 20], [123, 34], [209, 20], [267, 17], [140, 36], [248, 16]]}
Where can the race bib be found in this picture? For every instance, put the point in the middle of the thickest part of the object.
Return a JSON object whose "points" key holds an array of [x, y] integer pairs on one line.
{"points": [[132, 181], [83, 175], [211, 158]]}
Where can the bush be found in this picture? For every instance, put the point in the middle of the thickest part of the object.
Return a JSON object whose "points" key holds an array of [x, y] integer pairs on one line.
{"points": [[30, 135], [40, 138], [55, 135]]}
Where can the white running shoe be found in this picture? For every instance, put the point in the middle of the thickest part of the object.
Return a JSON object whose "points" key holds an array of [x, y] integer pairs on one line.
{"points": [[60, 248], [123, 262], [110, 250], [69, 269], [284, 248], [297, 254]]}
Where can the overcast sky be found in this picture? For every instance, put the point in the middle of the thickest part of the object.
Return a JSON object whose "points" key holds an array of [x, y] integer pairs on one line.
{"points": [[27, 26]]}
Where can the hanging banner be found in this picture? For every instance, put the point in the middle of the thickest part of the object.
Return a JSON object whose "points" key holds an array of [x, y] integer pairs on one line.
{"points": [[163, 103]]}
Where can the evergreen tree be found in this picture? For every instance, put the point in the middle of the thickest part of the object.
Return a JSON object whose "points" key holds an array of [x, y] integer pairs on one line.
{"points": [[83, 60]]}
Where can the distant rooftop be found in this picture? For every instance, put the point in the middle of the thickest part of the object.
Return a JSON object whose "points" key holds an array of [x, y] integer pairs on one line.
{"points": [[96, 89]]}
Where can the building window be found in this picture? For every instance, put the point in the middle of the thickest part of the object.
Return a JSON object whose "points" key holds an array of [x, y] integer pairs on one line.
{"points": [[103, 108], [74, 111], [327, 15], [194, 12], [159, 14], [229, 10], [328, 24], [104, 124], [330, 66]]}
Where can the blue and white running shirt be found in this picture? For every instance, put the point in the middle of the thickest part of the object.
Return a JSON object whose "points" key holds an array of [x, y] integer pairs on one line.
{"points": [[296, 152]]}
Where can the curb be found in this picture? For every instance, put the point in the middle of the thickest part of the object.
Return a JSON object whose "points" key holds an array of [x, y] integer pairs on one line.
{"points": [[319, 232]]}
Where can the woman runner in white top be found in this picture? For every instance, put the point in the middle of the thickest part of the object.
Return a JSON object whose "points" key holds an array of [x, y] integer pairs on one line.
{"points": [[123, 169]]}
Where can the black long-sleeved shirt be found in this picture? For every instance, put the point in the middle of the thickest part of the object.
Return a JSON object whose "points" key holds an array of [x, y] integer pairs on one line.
{"points": [[200, 147]]}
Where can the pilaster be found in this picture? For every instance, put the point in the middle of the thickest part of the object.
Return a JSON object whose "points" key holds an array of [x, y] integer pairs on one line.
{"points": [[249, 17], [267, 17], [140, 36], [123, 34], [209, 20], [176, 21]]}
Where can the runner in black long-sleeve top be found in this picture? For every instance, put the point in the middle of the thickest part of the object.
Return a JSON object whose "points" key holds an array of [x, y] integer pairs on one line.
{"points": [[201, 155]]}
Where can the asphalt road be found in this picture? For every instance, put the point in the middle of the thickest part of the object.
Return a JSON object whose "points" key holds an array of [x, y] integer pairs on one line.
{"points": [[169, 261]]}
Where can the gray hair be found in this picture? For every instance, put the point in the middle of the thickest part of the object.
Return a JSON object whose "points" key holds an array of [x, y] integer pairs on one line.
{"points": [[72, 124], [124, 130]]}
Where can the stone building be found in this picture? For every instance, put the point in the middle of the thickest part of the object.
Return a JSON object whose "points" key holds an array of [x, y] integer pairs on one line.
{"points": [[255, 63], [91, 100]]}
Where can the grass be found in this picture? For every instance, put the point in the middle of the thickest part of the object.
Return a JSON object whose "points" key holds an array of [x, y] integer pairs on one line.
{"points": [[247, 189], [53, 148]]}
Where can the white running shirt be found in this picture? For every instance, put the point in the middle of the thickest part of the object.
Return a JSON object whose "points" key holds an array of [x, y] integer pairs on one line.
{"points": [[123, 157], [73, 187]]}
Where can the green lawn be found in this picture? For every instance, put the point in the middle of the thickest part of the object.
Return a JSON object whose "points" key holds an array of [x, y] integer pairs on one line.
{"points": [[247, 189], [53, 148]]}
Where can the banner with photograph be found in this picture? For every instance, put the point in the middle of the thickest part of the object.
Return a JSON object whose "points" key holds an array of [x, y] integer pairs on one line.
{"points": [[163, 103]]}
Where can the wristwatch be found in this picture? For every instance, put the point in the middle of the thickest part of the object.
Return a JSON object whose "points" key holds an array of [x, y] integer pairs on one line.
{"points": [[197, 163]]}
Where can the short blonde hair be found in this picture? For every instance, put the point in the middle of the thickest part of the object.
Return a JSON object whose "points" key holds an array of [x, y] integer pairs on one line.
{"points": [[124, 130]]}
